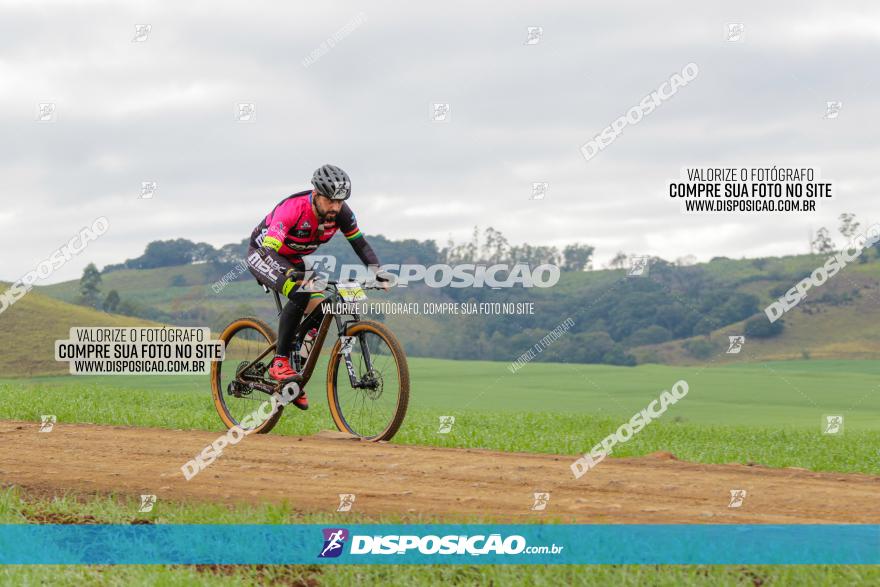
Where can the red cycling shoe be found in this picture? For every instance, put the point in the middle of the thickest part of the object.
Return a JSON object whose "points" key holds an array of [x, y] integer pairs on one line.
{"points": [[281, 370]]}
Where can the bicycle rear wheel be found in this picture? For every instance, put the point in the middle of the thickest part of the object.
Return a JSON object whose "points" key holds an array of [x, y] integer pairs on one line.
{"points": [[375, 406], [235, 396]]}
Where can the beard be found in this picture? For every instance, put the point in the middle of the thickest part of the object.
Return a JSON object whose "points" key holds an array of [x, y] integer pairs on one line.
{"points": [[324, 214], [327, 214]]}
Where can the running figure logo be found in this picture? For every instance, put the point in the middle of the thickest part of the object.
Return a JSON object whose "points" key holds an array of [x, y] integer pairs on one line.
{"points": [[142, 33], [535, 34], [346, 500], [833, 425], [541, 500], [735, 32], [737, 497], [147, 503], [446, 424], [47, 422], [736, 344], [334, 540], [148, 189], [345, 344], [832, 109], [440, 112], [46, 112], [539, 190], [638, 266]]}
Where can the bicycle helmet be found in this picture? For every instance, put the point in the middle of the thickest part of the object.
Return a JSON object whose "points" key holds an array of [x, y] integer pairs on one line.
{"points": [[332, 182]]}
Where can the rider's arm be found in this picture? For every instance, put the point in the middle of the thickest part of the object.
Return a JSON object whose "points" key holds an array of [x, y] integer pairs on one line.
{"points": [[348, 225]]}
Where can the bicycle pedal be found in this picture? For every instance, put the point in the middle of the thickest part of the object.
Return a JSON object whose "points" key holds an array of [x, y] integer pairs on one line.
{"points": [[289, 391]]}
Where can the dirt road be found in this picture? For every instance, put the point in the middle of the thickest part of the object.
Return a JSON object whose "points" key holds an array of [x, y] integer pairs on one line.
{"points": [[310, 472]]}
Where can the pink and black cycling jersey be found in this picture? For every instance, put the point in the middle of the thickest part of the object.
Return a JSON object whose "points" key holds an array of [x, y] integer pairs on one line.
{"points": [[293, 230]]}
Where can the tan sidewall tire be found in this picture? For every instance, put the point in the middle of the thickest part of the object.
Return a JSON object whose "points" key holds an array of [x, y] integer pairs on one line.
{"points": [[402, 372]]}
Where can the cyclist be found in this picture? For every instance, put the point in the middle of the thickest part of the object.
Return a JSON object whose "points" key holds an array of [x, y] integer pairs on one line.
{"points": [[296, 227]]}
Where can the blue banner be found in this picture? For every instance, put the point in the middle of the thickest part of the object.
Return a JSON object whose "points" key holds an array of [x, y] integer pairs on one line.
{"points": [[440, 543]]}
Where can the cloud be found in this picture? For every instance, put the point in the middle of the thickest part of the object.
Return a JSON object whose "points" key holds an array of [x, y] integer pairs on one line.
{"points": [[164, 110]]}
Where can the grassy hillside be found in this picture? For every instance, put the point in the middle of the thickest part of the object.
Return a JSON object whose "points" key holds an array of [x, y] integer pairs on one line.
{"points": [[833, 322], [30, 327], [144, 284]]}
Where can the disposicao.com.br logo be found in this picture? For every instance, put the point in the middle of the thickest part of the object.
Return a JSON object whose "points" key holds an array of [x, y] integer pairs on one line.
{"points": [[334, 541], [476, 545]]}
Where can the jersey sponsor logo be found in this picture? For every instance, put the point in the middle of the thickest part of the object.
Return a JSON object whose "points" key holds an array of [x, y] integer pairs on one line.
{"points": [[300, 246], [259, 239], [270, 242], [304, 230], [260, 264]]}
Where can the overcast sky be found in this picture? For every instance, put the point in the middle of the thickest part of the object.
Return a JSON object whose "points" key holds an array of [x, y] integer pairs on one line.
{"points": [[164, 109]]}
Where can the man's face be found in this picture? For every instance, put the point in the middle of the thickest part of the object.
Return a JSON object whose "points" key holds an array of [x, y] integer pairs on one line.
{"points": [[326, 208]]}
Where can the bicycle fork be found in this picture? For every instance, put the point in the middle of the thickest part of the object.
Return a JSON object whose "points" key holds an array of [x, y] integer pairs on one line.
{"points": [[346, 344]]}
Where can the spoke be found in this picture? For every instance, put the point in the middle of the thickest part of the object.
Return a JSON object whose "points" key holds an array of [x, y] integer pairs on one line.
{"points": [[369, 412], [242, 348]]}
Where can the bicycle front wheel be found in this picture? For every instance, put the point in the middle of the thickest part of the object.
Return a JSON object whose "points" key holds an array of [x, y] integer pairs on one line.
{"points": [[370, 399]]}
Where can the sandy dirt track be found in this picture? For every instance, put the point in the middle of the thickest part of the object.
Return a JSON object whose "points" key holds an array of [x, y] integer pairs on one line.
{"points": [[310, 472]]}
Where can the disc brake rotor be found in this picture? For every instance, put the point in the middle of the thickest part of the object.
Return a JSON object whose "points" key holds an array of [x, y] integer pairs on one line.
{"points": [[374, 385]]}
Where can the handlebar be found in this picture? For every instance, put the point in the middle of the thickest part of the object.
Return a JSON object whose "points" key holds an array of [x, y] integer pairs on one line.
{"points": [[330, 282], [333, 282]]}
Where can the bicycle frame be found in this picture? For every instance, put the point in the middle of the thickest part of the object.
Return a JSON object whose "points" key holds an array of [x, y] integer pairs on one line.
{"points": [[317, 346]]}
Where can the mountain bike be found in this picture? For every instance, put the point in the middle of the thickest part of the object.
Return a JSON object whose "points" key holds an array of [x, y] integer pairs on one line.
{"points": [[367, 373]]}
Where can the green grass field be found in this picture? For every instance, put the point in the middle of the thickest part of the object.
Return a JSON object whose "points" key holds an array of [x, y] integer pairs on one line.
{"points": [[765, 413]]}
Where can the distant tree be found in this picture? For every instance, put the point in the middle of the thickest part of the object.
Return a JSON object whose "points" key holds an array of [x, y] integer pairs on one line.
{"points": [[467, 252], [534, 255], [168, 253], [686, 261], [233, 252], [848, 225], [130, 308], [495, 247], [111, 302], [90, 286], [823, 244], [576, 257], [759, 327], [619, 261], [737, 307], [203, 253], [177, 280], [649, 335], [699, 348]]}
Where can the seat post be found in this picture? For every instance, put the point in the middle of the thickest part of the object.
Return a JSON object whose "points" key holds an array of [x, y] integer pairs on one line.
{"points": [[277, 297], [277, 301]]}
